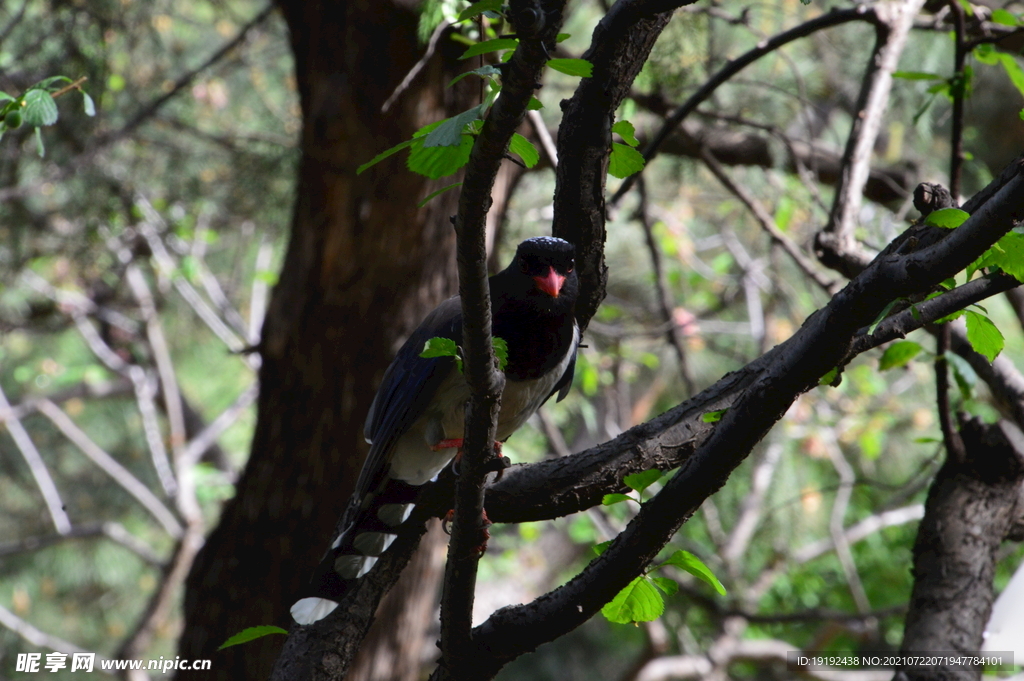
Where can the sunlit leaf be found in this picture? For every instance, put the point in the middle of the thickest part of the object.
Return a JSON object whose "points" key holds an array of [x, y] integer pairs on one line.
{"points": [[449, 133], [666, 584], [916, 75], [713, 416], [983, 335], [480, 7], [602, 547], [641, 481], [696, 567], [490, 46], [948, 218], [1004, 17], [626, 131], [440, 347], [500, 348], [638, 602], [609, 499], [523, 148], [624, 161]]}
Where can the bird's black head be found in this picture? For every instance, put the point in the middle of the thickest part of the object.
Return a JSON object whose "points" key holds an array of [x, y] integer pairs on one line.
{"points": [[549, 262]]}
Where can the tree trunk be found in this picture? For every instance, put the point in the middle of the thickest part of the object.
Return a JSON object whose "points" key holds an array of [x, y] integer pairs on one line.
{"points": [[363, 266]]}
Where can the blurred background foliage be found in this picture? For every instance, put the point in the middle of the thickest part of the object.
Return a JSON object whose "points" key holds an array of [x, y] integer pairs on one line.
{"points": [[194, 152]]}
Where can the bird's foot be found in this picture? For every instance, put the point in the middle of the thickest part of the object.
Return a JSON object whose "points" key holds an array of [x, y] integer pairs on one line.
{"points": [[484, 532]]}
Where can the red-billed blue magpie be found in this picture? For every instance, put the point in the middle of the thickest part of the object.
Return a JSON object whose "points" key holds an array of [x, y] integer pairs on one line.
{"points": [[415, 424]]}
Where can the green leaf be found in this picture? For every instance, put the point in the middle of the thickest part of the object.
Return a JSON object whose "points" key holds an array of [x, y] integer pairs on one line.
{"points": [[916, 75], [88, 105], [830, 377], [609, 499], [524, 148], [500, 348], [449, 133], [963, 374], [435, 162], [692, 564], [626, 131], [1002, 16], [1008, 255], [1013, 70], [535, 105], [440, 191], [713, 416], [478, 8], [39, 108], [948, 218], [983, 335], [383, 155], [966, 4], [641, 481], [39, 143], [47, 83], [573, 67], [4, 97], [483, 72], [986, 54], [638, 602], [490, 46], [562, 36], [251, 634], [882, 315], [439, 347], [602, 547], [669, 586], [624, 161], [898, 354]]}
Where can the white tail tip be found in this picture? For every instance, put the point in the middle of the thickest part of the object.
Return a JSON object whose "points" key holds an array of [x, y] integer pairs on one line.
{"points": [[313, 609]]}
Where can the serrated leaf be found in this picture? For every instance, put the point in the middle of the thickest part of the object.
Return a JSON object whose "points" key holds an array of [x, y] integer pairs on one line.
{"points": [[383, 155], [696, 567], [1008, 255], [480, 7], [713, 416], [624, 161], [439, 347], [483, 72], [1004, 17], [251, 634], [898, 354], [440, 191], [534, 105], [88, 105], [39, 108], [669, 586], [449, 133], [490, 46], [626, 131], [916, 75], [638, 602], [983, 335], [609, 499], [947, 218], [500, 351], [602, 547], [524, 149], [572, 67], [642, 480]]}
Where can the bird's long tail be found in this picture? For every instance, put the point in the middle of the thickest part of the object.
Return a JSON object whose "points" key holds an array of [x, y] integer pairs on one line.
{"points": [[368, 530]]}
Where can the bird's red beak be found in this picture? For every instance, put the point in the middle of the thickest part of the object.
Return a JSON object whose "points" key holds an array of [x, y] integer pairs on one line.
{"points": [[551, 283]]}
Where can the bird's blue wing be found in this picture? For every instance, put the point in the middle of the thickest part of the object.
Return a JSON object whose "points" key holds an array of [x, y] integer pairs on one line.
{"points": [[406, 390]]}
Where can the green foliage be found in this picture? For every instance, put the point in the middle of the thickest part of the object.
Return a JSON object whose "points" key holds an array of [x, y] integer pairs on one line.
{"points": [[713, 416], [581, 68], [949, 218], [624, 159], [446, 347], [251, 634], [983, 335], [524, 148], [638, 602], [37, 108], [898, 354]]}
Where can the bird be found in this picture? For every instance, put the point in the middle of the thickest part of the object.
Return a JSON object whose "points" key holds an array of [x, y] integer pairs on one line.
{"points": [[416, 420]]}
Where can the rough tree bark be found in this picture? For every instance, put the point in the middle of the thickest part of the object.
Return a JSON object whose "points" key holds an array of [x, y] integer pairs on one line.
{"points": [[971, 508], [363, 266]]}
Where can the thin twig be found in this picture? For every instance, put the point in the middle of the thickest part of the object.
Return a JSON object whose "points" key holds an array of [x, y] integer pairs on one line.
{"points": [[39, 638], [35, 463], [767, 223], [950, 436], [260, 289], [204, 440], [145, 391], [111, 530], [847, 478], [77, 85], [546, 142], [417, 67], [110, 466]]}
